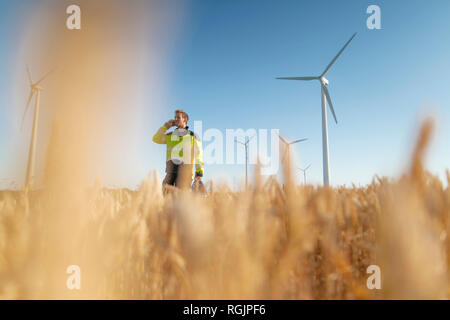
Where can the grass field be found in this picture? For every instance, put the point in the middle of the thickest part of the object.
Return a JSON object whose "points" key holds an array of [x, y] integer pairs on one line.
{"points": [[272, 242]]}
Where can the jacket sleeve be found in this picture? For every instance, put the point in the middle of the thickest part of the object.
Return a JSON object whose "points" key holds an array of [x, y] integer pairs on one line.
{"points": [[198, 157], [160, 137]]}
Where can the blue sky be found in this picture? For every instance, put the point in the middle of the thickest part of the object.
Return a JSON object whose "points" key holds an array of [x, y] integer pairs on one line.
{"points": [[224, 60], [10, 32]]}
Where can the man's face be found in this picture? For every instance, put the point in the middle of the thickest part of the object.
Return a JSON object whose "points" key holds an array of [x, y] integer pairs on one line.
{"points": [[180, 121]]}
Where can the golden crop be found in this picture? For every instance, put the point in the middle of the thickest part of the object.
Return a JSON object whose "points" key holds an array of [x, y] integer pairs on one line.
{"points": [[271, 242]]}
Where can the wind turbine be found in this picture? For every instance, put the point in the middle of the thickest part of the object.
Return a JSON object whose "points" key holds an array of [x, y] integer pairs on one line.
{"points": [[325, 97], [288, 145], [35, 89], [304, 172], [246, 158]]}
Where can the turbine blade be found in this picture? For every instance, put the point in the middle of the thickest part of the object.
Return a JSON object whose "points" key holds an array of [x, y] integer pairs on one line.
{"points": [[26, 108], [307, 167], [299, 140], [45, 76], [282, 139], [29, 75], [327, 94], [298, 78], [337, 56]]}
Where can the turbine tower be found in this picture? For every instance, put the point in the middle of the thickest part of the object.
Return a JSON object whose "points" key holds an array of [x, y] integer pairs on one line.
{"points": [[325, 97], [246, 158], [288, 145], [35, 89]]}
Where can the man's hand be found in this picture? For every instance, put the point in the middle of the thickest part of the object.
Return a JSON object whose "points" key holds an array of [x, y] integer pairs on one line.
{"points": [[169, 124]]}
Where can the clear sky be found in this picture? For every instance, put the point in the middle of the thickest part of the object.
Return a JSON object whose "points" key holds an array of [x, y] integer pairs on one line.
{"points": [[224, 60]]}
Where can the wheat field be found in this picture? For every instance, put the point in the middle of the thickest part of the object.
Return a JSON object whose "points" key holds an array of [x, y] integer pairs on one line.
{"points": [[271, 242]]}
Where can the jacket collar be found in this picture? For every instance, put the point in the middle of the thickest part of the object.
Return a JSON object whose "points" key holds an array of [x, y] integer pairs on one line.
{"points": [[181, 132]]}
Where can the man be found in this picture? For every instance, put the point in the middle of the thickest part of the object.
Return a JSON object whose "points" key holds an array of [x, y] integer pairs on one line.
{"points": [[183, 150]]}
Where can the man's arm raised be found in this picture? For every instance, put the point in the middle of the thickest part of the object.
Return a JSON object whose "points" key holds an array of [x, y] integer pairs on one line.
{"points": [[160, 136]]}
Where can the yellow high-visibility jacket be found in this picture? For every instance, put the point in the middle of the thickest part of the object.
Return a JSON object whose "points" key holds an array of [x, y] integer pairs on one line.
{"points": [[183, 146]]}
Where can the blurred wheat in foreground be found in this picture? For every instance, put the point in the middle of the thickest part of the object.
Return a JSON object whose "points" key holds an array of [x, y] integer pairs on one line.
{"points": [[273, 242]]}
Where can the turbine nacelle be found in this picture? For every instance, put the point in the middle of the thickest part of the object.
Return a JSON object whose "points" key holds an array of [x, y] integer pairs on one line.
{"points": [[36, 88], [323, 80]]}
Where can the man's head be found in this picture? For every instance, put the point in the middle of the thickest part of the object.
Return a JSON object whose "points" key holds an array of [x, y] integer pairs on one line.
{"points": [[181, 118]]}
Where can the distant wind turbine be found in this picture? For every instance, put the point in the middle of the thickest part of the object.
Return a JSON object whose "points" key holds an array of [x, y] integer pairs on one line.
{"points": [[325, 97], [304, 172], [35, 89], [246, 158], [287, 152]]}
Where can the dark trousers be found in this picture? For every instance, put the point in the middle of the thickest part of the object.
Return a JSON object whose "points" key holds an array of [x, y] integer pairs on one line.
{"points": [[179, 175]]}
